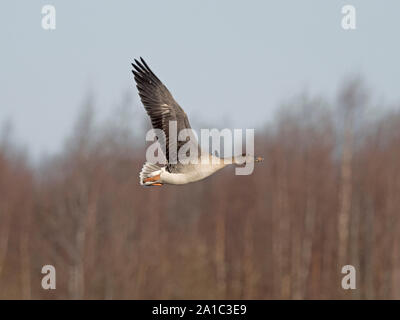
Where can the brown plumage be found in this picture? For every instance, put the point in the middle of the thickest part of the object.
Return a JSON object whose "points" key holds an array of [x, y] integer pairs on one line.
{"points": [[160, 106]]}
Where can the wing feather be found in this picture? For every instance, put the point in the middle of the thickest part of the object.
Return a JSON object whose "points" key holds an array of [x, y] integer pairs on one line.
{"points": [[160, 105]]}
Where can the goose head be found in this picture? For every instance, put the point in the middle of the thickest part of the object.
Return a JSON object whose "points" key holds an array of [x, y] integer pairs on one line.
{"points": [[246, 158]]}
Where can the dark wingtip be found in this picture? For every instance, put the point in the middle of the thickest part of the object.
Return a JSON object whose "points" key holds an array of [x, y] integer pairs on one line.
{"points": [[136, 64], [143, 72]]}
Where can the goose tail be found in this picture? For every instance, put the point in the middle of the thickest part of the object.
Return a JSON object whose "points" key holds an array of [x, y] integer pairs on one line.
{"points": [[150, 175]]}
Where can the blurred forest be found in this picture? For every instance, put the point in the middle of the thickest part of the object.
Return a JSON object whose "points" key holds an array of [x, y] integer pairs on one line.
{"points": [[326, 195]]}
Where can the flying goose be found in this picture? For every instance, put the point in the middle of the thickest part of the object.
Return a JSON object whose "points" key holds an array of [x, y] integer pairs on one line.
{"points": [[162, 108]]}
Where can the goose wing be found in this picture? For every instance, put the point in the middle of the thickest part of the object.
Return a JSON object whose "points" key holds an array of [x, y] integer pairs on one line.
{"points": [[161, 108]]}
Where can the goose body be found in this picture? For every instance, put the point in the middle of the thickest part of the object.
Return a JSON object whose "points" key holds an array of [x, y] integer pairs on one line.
{"points": [[192, 172], [162, 108]]}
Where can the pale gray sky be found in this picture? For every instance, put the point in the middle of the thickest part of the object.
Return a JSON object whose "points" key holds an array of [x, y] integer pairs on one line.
{"points": [[214, 56]]}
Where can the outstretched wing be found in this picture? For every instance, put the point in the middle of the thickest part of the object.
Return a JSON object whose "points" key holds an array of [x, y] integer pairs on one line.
{"points": [[160, 106]]}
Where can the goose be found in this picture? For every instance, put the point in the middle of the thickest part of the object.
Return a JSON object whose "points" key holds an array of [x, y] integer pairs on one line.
{"points": [[162, 108]]}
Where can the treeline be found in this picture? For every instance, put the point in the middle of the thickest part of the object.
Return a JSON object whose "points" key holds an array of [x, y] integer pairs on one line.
{"points": [[327, 195]]}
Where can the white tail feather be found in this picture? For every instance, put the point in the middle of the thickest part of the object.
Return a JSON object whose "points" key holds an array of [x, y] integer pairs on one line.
{"points": [[149, 170]]}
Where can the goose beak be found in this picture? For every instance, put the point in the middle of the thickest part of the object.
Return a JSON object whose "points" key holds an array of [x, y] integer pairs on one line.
{"points": [[259, 159]]}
